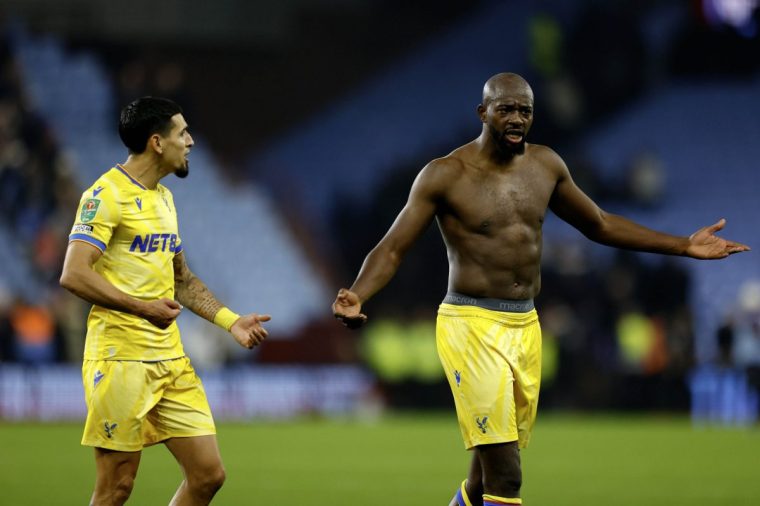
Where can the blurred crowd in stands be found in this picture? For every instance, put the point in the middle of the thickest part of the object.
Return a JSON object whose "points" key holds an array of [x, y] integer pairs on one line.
{"points": [[38, 197], [617, 326]]}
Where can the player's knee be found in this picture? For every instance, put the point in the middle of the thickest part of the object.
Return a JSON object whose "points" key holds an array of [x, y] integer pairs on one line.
{"points": [[122, 489], [216, 480], [506, 484], [208, 482]]}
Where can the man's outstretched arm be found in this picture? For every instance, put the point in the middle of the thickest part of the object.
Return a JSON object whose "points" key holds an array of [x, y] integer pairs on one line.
{"points": [[575, 207]]}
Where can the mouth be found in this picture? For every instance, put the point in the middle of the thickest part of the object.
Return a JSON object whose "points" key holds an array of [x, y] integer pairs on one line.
{"points": [[514, 136]]}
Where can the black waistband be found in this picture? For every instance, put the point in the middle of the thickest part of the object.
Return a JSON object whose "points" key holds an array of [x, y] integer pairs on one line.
{"points": [[509, 306]]}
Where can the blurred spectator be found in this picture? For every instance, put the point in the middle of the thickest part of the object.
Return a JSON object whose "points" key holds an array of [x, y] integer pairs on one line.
{"points": [[747, 332], [169, 82], [6, 333], [132, 80], [646, 180], [34, 333], [606, 55], [728, 392], [725, 341], [37, 193]]}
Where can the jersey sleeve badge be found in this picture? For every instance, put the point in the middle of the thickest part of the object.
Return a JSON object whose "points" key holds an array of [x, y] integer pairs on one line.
{"points": [[89, 210]]}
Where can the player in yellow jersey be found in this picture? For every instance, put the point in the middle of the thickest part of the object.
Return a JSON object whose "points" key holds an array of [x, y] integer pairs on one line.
{"points": [[125, 256], [490, 197]]}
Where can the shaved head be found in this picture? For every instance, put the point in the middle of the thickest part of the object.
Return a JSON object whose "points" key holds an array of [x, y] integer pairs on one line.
{"points": [[505, 83], [506, 112]]}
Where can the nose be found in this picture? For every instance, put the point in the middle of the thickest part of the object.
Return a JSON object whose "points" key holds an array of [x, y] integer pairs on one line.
{"points": [[516, 119], [190, 141]]}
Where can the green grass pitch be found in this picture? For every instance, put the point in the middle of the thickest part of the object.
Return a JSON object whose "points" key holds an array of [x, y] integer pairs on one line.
{"points": [[582, 460]]}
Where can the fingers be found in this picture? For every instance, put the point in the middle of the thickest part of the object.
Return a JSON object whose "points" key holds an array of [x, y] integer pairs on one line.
{"points": [[717, 226], [257, 334], [256, 337], [735, 247], [345, 297], [352, 322]]}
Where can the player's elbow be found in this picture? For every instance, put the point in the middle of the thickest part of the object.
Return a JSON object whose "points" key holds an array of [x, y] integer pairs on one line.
{"points": [[596, 228], [68, 280], [65, 281]]}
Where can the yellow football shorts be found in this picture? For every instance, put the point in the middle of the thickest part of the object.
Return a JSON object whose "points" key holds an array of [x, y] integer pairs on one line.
{"points": [[492, 360], [132, 404]]}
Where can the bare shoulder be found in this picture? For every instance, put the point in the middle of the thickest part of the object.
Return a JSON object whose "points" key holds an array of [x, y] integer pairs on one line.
{"points": [[443, 171], [548, 158]]}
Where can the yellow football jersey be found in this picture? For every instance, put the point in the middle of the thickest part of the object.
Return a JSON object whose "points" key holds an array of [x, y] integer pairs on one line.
{"points": [[136, 229]]}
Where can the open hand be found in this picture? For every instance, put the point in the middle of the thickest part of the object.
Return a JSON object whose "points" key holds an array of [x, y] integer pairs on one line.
{"points": [[347, 308], [247, 330], [704, 244]]}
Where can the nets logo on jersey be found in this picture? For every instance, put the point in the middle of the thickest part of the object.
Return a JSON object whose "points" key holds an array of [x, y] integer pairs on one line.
{"points": [[89, 210], [150, 243]]}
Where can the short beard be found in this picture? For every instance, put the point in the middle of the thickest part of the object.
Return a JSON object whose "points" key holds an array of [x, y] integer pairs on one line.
{"points": [[182, 172], [506, 147], [515, 149]]}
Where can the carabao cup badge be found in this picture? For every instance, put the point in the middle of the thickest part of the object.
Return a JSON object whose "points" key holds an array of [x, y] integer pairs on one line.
{"points": [[89, 210]]}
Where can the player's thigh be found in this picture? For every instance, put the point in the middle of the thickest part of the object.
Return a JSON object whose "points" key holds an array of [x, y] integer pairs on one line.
{"points": [[113, 466], [183, 410], [527, 381], [198, 456], [118, 394]]}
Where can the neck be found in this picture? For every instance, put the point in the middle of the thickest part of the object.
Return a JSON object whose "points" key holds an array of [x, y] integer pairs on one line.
{"points": [[145, 171], [494, 151]]}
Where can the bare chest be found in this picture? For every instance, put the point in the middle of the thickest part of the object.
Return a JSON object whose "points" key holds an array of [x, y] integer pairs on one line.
{"points": [[488, 202]]}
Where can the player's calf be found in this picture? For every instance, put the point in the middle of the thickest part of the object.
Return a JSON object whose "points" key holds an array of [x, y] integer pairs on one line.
{"points": [[502, 473]]}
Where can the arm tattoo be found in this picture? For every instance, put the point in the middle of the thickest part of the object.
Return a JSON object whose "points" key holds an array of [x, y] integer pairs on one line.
{"points": [[193, 293]]}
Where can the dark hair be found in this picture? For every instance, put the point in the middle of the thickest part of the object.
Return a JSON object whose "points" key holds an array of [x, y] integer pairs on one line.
{"points": [[143, 118]]}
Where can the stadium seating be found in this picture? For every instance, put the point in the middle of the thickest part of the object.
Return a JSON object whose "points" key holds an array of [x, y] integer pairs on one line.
{"points": [[233, 234], [704, 136]]}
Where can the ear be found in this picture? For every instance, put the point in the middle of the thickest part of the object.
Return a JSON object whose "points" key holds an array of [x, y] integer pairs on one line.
{"points": [[482, 112], [154, 143]]}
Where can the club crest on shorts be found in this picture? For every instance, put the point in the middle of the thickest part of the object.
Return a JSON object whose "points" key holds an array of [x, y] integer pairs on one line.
{"points": [[109, 428], [482, 424], [457, 376]]}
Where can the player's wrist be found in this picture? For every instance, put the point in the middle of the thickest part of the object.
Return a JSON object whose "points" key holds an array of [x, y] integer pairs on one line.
{"points": [[358, 295], [225, 318], [137, 307]]}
